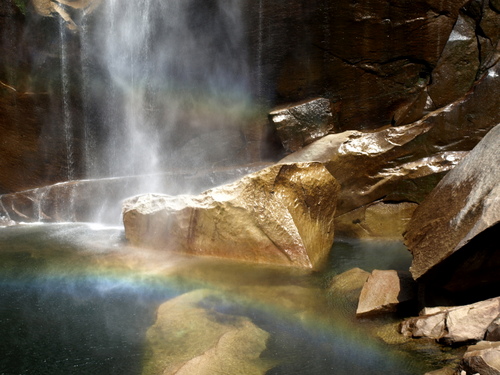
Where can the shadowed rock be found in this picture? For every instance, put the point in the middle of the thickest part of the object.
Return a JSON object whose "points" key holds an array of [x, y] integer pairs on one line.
{"points": [[453, 234], [385, 292], [281, 215], [191, 337]]}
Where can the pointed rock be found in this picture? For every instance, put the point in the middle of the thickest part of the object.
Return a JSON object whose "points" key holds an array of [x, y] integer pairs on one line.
{"points": [[384, 292]]}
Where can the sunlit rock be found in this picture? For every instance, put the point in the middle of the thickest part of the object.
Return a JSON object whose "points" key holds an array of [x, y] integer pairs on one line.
{"points": [[453, 235], [281, 215], [191, 337], [385, 292], [454, 324], [384, 165], [482, 358], [300, 124], [377, 220]]}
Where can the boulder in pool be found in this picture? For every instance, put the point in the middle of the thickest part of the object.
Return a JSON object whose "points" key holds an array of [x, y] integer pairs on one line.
{"points": [[280, 215]]}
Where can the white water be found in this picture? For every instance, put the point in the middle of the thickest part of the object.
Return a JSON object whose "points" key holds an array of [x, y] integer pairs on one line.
{"points": [[167, 72]]}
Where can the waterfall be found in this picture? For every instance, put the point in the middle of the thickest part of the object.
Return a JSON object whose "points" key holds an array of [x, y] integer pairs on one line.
{"points": [[167, 71], [166, 86]]}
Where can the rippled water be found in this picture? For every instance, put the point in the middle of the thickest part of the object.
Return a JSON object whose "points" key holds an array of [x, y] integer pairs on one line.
{"points": [[75, 300]]}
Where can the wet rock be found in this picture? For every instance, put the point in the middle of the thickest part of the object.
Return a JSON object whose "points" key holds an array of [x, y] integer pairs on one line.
{"points": [[405, 163], [457, 67], [377, 220], [384, 165], [454, 324], [76, 200], [385, 292], [300, 124], [372, 57], [453, 234], [281, 215], [482, 358], [191, 337]]}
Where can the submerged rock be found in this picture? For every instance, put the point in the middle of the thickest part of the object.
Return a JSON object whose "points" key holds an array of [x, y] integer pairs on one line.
{"points": [[191, 337], [300, 124], [281, 215], [454, 324], [482, 358], [346, 287], [385, 292], [453, 235]]}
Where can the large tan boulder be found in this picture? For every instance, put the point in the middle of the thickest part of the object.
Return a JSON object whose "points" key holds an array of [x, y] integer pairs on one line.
{"points": [[453, 234], [191, 337], [281, 215]]}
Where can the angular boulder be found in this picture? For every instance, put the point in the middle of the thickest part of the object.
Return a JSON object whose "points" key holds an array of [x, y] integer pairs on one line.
{"points": [[454, 324], [191, 337], [453, 234], [482, 358], [300, 124], [385, 292], [280, 215]]}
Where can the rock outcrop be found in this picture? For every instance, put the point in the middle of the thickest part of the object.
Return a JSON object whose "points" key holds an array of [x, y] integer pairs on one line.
{"points": [[482, 358], [452, 325], [453, 234], [300, 124], [191, 337], [385, 292], [281, 215]]}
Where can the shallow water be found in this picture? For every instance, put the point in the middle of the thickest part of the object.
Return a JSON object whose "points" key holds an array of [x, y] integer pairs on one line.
{"points": [[75, 300]]}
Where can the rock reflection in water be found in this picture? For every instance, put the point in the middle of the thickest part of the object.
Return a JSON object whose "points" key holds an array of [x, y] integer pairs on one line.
{"points": [[74, 300]]}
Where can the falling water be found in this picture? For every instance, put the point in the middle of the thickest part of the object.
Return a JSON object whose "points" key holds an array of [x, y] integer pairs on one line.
{"points": [[66, 109], [169, 73]]}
